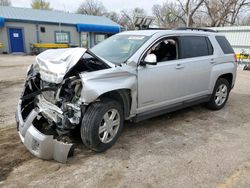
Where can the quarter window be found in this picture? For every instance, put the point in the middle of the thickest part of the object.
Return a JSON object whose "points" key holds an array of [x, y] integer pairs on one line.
{"points": [[62, 37], [195, 46], [224, 44]]}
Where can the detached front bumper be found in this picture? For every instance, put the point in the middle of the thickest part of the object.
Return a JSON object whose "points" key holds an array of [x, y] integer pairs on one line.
{"points": [[39, 144]]}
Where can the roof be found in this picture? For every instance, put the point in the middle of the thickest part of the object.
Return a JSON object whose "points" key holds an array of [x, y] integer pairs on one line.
{"points": [[51, 16], [170, 31]]}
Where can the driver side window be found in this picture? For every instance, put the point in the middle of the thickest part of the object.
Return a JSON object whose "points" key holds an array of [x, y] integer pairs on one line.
{"points": [[165, 49]]}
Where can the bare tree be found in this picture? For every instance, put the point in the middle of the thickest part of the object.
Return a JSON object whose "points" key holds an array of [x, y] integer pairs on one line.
{"points": [[172, 14], [40, 4], [92, 7], [168, 15], [224, 12], [245, 21], [5, 3], [114, 16], [128, 17], [189, 8], [212, 13], [200, 18], [237, 7], [125, 18]]}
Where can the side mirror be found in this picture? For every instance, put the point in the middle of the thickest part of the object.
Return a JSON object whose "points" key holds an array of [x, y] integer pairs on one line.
{"points": [[150, 59]]}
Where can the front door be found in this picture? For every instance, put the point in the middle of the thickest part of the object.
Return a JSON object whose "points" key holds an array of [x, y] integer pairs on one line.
{"points": [[161, 84], [16, 40]]}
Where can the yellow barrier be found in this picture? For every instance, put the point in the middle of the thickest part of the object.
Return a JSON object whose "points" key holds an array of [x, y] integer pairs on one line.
{"points": [[49, 45], [1, 45], [242, 56]]}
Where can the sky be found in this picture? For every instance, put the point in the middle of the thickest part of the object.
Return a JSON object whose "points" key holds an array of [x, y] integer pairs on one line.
{"points": [[111, 5]]}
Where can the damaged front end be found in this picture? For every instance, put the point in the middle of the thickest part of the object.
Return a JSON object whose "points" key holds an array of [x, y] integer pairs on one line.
{"points": [[50, 107]]}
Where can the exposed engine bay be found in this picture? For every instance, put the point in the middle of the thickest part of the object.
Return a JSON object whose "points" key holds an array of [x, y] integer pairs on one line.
{"points": [[57, 105]]}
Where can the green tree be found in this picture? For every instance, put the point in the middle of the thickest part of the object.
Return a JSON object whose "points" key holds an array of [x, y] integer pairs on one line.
{"points": [[40, 4], [5, 3]]}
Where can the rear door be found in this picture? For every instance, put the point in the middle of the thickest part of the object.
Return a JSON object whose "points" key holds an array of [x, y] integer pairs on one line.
{"points": [[197, 59]]}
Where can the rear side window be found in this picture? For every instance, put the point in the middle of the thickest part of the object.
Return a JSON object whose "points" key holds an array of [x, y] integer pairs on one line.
{"points": [[195, 46], [224, 44]]}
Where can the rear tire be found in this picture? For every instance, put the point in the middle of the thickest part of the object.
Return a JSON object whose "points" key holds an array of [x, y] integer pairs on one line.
{"points": [[102, 124], [220, 95]]}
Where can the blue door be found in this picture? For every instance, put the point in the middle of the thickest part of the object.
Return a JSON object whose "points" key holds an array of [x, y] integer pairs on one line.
{"points": [[16, 40]]}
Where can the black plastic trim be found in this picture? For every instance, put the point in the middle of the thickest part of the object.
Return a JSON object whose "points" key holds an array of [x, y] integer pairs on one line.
{"points": [[170, 108]]}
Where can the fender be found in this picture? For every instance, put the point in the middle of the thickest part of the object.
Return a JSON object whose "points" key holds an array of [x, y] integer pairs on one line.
{"points": [[100, 82]]}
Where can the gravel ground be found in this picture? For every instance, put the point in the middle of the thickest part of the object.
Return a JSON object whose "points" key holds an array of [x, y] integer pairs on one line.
{"points": [[193, 147]]}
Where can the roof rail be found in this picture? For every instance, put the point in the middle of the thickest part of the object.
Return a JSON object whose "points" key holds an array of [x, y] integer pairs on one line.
{"points": [[195, 29], [159, 28]]}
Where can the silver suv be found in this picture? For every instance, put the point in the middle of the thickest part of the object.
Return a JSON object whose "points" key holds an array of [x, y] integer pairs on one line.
{"points": [[133, 76]]}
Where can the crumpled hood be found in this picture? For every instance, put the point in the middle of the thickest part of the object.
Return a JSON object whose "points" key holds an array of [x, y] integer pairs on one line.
{"points": [[55, 63]]}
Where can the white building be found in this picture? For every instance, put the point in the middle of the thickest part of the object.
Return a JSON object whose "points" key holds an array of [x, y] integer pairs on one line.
{"points": [[238, 36], [21, 27]]}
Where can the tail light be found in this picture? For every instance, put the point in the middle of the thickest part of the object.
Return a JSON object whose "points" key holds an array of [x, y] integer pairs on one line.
{"points": [[235, 58]]}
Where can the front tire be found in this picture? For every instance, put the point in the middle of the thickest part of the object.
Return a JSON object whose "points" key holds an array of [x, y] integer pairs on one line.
{"points": [[102, 125], [220, 95]]}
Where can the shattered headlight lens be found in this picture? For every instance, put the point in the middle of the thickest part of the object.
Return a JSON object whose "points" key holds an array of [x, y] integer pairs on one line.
{"points": [[32, 69], [35, 67]]}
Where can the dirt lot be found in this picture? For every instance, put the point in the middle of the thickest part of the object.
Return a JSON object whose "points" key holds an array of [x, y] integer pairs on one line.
{"points": [[194, 147]]}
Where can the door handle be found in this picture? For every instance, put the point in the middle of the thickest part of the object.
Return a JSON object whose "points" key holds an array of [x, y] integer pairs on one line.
{"points": [[179, 66], [212, 61]]}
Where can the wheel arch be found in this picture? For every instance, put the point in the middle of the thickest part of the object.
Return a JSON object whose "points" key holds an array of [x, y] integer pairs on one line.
{"points": [[224, 70], [228, 77], [123, 96]]}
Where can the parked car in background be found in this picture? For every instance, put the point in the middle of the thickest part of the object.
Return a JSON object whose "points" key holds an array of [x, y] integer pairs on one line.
{"points": [[134, 75]]}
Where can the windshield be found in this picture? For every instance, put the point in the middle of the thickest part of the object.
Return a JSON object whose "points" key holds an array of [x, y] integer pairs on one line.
{"points": [[118, 48]]}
